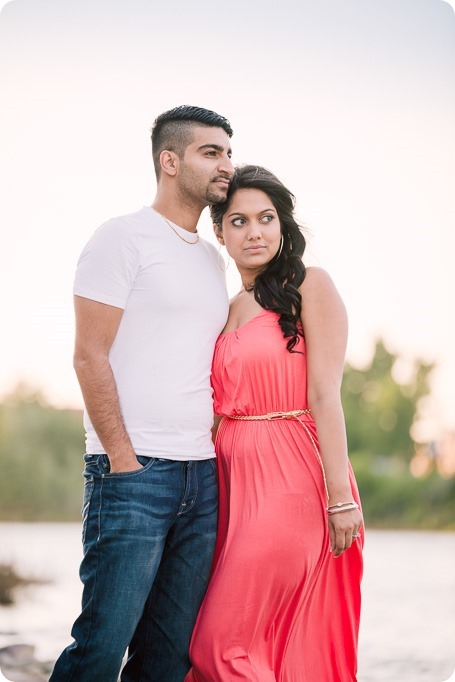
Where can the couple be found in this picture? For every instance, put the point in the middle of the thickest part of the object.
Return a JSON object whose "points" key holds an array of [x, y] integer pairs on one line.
{"points": [[152, 310]]}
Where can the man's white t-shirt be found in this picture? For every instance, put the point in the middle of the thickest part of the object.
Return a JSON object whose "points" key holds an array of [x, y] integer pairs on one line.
{"points": [[175, 304]]}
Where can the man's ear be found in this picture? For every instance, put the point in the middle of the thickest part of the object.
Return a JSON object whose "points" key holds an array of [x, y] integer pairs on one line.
{"points": [[169, 162], [218, 233]]}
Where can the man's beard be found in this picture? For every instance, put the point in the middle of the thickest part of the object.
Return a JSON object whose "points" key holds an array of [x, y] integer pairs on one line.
{"points": [[216, 196]]}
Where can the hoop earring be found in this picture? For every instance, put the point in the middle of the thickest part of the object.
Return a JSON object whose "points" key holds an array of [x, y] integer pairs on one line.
{"points": [[278, 253], [221, 262]]}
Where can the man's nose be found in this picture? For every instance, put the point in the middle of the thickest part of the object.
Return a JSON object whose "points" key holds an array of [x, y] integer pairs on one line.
{"points": [[226, 166]]}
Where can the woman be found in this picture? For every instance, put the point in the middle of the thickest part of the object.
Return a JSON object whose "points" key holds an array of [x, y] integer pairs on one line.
{"points": [[283, 603]]}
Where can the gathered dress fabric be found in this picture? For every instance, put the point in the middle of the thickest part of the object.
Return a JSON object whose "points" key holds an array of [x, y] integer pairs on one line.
{"points": [[279, 606]]}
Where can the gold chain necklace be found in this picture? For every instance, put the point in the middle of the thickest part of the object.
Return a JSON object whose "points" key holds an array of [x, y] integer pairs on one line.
{"points": [[175, 231]]}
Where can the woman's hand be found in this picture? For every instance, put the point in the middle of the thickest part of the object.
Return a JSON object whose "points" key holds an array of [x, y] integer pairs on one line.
{"points": [[344, 528]]}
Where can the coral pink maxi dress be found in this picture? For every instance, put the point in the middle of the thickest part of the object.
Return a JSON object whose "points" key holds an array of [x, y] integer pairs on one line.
{"points": [[279, 606]]}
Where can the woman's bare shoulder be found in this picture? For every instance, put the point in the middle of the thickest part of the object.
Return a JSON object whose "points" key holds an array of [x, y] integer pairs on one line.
{"points": [[235, 303], [316, 278]]}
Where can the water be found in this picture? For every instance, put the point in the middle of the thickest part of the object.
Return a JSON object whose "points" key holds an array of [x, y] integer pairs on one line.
{"points": [[408, 617]]}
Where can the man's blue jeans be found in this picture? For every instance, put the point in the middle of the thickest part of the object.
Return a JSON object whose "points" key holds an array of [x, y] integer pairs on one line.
{"points": [[148, 540]]}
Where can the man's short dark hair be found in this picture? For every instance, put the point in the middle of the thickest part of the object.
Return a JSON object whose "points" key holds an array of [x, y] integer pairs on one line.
{"points": [[172, 130]]}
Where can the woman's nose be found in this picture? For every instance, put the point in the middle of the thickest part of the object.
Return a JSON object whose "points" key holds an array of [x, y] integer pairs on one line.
{"points": [[254, 231]]}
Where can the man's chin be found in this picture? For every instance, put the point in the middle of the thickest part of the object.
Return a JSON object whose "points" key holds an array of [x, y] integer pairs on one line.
{"points": [[217, 197]]}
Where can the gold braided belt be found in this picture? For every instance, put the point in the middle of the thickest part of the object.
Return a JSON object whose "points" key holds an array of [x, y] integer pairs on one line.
{"points": [[269, 416], [293, 414]]}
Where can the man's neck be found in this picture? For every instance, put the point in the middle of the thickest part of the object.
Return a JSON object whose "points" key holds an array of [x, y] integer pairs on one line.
{"points": [[183, 214]]}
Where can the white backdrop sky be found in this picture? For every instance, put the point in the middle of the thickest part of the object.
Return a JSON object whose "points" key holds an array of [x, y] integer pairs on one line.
{"points": [[351, 103]]}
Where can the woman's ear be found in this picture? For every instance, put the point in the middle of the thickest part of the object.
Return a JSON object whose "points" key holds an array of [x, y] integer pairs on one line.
{"points": [[218, 233]]}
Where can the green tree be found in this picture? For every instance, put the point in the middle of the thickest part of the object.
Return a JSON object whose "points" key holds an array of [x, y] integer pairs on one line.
{"points": [[379, 411], [41, 452]]}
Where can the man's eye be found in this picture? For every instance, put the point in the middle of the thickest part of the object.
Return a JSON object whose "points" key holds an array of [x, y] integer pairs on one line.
{"points": [[212, 153]]}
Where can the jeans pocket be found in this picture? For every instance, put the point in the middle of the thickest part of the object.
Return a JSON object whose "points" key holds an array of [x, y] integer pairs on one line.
{"points": [[145, 462]]}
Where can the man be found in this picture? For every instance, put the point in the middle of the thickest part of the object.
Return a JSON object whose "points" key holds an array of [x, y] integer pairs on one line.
{"points": [[150, 301]]}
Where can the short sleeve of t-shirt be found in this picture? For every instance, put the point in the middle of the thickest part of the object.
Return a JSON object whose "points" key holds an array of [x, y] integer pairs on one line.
{"points": [[108, 264]]}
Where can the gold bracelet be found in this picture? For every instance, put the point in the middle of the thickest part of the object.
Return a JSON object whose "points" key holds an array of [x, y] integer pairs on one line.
{"points": [[339, 504], [350, 506]]}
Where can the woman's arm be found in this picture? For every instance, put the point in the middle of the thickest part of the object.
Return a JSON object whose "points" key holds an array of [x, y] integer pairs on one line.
{"points": [[325, 328]]}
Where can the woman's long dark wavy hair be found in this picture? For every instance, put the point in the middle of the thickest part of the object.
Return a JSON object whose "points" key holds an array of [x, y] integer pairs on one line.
{"points": [[277, 286]]}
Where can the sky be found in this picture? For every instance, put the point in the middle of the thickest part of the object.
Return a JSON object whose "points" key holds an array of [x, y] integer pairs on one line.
{"points": [[351, 104]]}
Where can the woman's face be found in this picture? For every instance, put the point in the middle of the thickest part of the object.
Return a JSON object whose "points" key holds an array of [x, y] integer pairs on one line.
{"points": [[251, 230]]}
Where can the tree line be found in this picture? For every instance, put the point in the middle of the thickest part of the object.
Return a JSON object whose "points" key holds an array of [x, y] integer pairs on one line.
{"points": [[41, 451]]}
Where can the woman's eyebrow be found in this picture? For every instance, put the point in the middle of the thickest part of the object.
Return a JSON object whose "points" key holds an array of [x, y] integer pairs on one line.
{"points": [[265, 210]]}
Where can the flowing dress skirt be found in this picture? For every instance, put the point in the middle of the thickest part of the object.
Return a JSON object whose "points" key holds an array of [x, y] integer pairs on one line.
{"points": [[279, 606]]}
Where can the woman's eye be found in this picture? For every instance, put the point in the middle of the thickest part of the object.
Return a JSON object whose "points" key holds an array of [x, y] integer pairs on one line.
{"points": [[238, 222], [267, 218]]}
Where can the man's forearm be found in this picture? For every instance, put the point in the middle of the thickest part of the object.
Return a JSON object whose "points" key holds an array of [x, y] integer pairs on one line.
{"points": [[103, 407]]}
